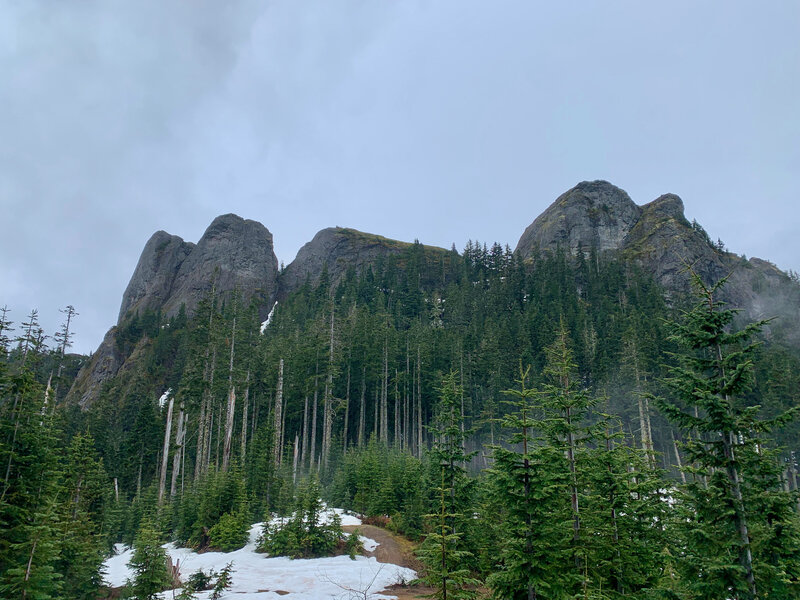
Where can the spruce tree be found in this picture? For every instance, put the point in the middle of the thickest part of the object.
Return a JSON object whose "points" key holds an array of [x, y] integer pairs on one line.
{"points": [[443, 551], [735, 504], [528, 481], [149, 564]]}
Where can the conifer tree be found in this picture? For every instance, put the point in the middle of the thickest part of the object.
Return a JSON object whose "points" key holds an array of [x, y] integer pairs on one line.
{"points": [[443, 551], [728, 514], [149, 564], [528, 491], [28, 498]]}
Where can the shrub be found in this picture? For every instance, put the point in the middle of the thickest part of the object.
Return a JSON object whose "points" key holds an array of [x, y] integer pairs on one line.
{"points": [[149, 565], [303, 535], [230, 533]]}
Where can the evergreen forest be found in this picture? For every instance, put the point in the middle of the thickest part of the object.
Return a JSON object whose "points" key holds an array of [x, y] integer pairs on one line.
{"points": [[554, 428]]}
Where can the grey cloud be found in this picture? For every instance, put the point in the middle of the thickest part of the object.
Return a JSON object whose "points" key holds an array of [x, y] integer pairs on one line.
{"points": [[439, 120]]}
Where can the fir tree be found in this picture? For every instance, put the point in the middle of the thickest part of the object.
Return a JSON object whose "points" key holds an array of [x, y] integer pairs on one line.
{"points": [[443, 551], [149, 564], [735, 504]]}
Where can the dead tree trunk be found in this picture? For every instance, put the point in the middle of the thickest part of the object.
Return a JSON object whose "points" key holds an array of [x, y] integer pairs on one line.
{"points": [[313, 451], [678, 458], [162, 481], [419, 404], [361, 415], [346, 410], [384, 426], [278, 418], [294, 460], [328, 410], [180, 435], [226, 451], [245, 408], [305, 433], [396, 441]]}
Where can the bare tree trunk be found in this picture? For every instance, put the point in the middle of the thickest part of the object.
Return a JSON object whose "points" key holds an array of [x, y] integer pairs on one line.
{"points": [[678, 458], [201, 427], [384, 432], [177, 458], [294, 460], [405, 402], [278, 419], [327, 418], [226, 451], [461, 375], [312, 457], [162, 481], [305, 433], [245, 409], [361, 413], [377, 404], [419, 404], [396, 441], [346, 410], [47, 392], [205, 402]]}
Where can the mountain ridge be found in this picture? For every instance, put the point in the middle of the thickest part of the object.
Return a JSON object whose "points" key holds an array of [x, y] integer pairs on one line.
{"points": [[237, 255]]}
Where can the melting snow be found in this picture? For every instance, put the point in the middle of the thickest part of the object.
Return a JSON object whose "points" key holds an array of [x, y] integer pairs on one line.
{"points": [[260, 577], [265, 324], [164, 397]]}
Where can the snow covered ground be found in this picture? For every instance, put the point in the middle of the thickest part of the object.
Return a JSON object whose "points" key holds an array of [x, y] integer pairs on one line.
{"points": [[259, 577]]}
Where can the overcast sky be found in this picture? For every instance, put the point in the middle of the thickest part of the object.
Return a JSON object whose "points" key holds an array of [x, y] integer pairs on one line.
{"points": [[431, 119]]}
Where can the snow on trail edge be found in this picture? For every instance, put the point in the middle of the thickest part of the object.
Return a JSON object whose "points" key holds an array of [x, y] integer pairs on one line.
{"points": [[259, 577]]}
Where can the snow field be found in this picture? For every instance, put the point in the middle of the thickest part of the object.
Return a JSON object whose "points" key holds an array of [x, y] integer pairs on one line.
{"points": [[259, 577]]}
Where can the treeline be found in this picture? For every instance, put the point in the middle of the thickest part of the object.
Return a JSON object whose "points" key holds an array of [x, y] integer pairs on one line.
{"points": [[515, 400]]}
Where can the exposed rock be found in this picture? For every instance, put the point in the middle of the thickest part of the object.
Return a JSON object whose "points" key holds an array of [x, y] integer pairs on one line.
{"points": [[665, 244], [593, 213], [151, 284], [339, 249], [233, 254], [660, 238], [104, 364]]}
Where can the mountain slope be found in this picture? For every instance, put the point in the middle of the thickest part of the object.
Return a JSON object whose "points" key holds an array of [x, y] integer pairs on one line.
{"points": [[658, 237]]}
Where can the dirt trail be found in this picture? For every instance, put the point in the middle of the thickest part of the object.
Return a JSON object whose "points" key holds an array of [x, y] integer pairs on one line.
{"points": [[393, 549], [396, 550]]}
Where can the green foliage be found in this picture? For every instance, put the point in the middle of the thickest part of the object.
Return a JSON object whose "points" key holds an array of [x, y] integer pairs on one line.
{"points": [[738, 534], [378, 480], [214, 512], [223, 582], [149, 565], [303, 535], [230, 532], [443, 552], [353, 545]]}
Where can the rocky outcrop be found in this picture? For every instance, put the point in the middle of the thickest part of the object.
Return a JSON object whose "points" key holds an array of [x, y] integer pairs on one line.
{"points": [[338, 249], [102, 366], [150, 286], [233, 254], [593, 213], [658, 237]]}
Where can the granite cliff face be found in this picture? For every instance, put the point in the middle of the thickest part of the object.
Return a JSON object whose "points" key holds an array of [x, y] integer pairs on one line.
{"points": [[237, 254], [338, 249], [658, 237], [233, 255], [593, 213], [151, 283]]}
